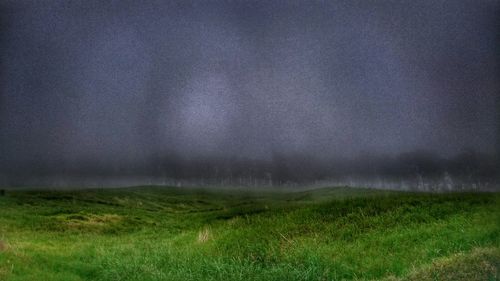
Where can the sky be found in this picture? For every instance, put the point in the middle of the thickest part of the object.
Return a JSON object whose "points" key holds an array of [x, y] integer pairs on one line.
{"points": [[111, 83]]}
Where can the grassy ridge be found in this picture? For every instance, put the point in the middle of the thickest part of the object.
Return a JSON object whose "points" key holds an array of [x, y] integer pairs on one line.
{"points": [[179, 234]]}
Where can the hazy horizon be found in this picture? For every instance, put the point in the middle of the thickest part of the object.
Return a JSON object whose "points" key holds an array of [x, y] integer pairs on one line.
{"points": [[161, 88]]}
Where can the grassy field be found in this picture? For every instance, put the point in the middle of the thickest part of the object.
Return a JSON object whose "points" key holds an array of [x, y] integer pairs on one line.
{"points": [[191, 234]]}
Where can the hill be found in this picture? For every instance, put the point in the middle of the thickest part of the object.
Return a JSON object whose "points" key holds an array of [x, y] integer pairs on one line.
{"points": [[166, 233]]}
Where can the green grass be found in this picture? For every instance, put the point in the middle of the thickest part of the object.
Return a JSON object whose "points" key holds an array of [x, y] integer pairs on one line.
{"points": [[192, 234]]}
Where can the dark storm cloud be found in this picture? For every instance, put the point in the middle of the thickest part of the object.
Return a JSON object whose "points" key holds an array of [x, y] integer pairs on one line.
{"points": [[119, 83]]}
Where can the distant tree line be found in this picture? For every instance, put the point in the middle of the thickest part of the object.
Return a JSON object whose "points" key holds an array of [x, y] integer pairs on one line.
{"points": [[413, 170]]}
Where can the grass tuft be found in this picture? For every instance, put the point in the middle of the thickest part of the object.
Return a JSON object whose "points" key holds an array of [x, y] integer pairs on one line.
{"points": [[204, 235]]}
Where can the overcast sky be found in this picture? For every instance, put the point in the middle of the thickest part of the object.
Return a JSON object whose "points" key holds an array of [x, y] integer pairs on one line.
{"points": [[122, 81]]}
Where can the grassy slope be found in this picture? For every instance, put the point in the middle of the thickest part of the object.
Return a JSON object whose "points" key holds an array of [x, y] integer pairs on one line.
{"points": [[173, 234]]}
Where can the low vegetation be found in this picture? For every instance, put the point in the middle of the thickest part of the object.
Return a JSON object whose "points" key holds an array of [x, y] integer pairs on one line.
{"points": [[153, 233]]}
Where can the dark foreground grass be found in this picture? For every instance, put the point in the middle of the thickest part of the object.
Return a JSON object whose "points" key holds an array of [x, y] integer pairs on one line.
{"points": [[175, 234]]}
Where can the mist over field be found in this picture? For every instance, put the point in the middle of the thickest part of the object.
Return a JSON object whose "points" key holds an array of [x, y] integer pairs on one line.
{"points": [[251, 93], [249, 140]]}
